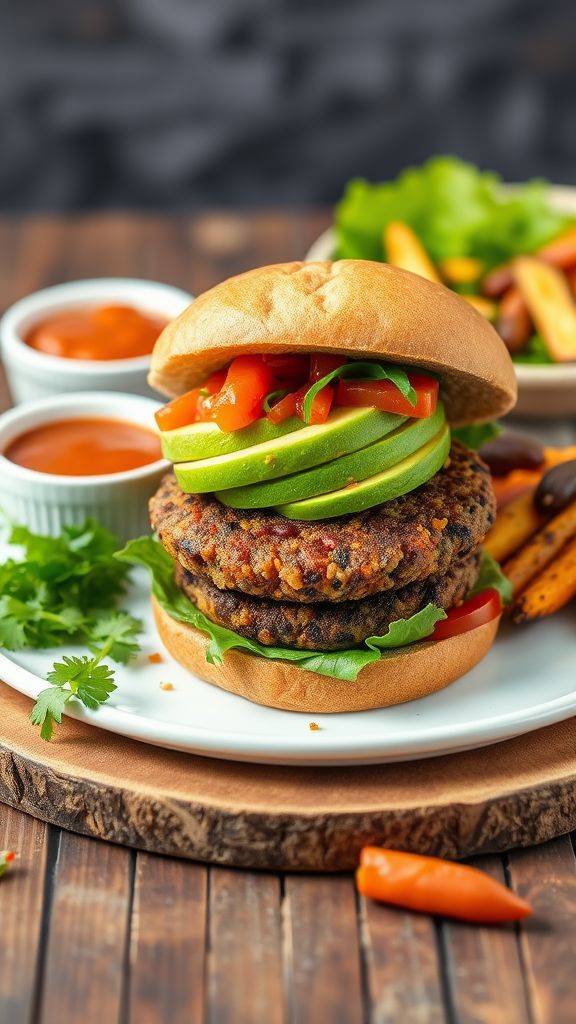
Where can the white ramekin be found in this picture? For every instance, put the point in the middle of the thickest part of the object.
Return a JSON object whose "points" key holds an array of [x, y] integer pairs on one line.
{"points": [[45, 502], [32, 374]]}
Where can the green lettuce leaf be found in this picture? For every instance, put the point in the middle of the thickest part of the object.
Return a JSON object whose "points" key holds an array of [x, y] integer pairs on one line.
{"points": [[148, 552], [491, 575], [406, 631], [477, 434], [454, 208], [535, 351]]}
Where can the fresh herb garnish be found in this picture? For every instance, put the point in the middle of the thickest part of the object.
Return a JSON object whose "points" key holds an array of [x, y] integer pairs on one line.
{"points": [[86, 679], [66, 590], [360, 370]]}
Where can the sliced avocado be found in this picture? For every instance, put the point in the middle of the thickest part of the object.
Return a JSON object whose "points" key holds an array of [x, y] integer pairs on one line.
{"points": [[338, 473], [405, 476], [206, 440], [345, 430]]}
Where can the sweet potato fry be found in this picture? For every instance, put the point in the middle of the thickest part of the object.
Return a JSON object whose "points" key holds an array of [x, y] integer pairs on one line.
{"points": [[514, 525], [404, 249], [561, 251], [551, 590], [551, 305], [541, 549], [461, 269], [487, 307], [556, 455]]}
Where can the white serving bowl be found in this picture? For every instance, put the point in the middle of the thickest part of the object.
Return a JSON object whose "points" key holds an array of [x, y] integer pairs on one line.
{"points": [[544, 391], [32, 374], [46, 502]]}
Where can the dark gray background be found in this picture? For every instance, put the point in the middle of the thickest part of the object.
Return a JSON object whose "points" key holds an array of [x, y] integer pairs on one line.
{"points": [[173, 104]]}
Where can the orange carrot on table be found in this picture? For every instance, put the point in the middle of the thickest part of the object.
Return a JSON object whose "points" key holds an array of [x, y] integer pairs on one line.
{"points": [[6, 858], [435, 886]]}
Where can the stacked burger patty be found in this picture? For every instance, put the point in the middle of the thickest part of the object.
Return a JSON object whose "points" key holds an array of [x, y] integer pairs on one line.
{"points": [[328, 585]]}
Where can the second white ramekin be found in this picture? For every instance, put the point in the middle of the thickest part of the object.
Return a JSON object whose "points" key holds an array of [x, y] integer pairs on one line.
{"points": [[32, 374], [45, 502]]}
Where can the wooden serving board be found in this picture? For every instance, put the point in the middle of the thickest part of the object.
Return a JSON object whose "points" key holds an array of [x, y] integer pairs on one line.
{"points": [[93, 782]]}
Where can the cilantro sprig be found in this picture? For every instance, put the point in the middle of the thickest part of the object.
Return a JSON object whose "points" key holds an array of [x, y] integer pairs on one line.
{"points": [[66, 590], [86, 679]]}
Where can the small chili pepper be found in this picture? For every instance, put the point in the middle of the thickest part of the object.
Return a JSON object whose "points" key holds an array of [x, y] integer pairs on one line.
{"points": [[6, 858], [435, 886]]}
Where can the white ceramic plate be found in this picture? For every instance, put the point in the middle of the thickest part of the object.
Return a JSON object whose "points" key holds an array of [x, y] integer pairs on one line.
{"points": [[527, 681], [548, 391]]}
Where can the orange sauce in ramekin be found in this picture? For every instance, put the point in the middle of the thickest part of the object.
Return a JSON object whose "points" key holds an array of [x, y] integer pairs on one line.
{"points": [[84, 447], [100, 333]]}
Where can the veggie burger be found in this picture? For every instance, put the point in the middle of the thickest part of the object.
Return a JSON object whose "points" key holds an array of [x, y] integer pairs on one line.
{"points": [[325, 525]]}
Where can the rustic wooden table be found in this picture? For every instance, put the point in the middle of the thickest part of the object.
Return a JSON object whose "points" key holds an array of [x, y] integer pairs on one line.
{"points": [[95, 932]]}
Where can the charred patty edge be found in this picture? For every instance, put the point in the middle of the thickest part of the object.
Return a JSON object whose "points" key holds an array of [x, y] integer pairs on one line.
{"points": [[326, 626]]}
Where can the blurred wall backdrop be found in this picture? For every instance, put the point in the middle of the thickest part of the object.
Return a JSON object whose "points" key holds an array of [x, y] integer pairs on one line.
{"points": [[173, 104]]}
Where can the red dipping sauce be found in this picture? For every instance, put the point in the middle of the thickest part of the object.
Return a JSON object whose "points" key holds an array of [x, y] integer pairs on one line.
{"points": [[85, 447], [100, 333]]}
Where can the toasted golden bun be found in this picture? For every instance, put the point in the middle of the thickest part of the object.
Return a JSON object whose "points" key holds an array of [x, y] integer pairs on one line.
{"points": [[399, 676], [355, 307]]}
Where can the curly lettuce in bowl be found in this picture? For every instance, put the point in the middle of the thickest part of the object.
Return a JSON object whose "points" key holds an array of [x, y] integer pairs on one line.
{"points": [[510, 251]]}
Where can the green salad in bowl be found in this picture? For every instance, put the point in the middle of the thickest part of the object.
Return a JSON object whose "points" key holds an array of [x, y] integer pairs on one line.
{"points": [[510, 251]]}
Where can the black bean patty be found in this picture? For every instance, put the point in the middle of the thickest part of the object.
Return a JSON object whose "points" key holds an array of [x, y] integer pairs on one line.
{"points": [[347, 558], [326, 626]]}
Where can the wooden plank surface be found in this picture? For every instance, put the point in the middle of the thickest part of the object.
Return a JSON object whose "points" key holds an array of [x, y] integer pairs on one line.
{"points": [[22, 908], [322, 950], [546, 877], [244, 971], [403, 966], [168, 941], [85, 956], [94, 932]]}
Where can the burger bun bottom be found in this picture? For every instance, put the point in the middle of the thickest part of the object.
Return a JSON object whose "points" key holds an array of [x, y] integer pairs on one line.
{"points": [[399, 676]]}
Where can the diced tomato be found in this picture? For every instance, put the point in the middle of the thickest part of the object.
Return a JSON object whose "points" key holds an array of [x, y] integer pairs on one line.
{"points": [[293, 405], [192, 406], [322, 363], [321, 404], [289, 370], [239, 403], [206, 398], [179, 412], [283, 409], [384, 395], [215, 381], [476, 611]]}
